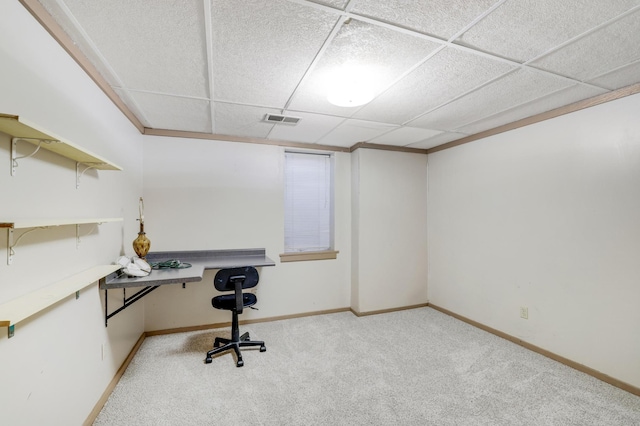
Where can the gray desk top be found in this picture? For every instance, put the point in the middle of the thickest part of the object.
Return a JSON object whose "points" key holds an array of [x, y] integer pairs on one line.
{"points": [[200, 261]]}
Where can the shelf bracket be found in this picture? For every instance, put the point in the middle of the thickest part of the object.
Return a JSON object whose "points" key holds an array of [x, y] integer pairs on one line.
{"points": [[9, 246], [11, 243], [14, 146], [78, 241], [87, 167]]}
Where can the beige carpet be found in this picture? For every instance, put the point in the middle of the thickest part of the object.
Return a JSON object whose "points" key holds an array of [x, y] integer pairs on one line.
{"points": [[414, 367]]}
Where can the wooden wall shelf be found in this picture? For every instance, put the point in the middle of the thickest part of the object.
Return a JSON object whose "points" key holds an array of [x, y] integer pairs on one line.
{"points": [[33, 224], [22, 130], [23, 307], [46, 223]]}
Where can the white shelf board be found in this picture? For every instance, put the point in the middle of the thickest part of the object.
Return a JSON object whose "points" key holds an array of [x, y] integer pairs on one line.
{"points": [[23, 307], [44, 223], [34, 224], [19, 127]]}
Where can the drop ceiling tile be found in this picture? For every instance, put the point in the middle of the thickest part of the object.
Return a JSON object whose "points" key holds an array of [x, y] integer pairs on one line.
{"points": [[619, 78], [262, 49], [351, 131], [404, 136], [448, 74], [602, 51], [436, 140], [521, 32], [440, 18], [242, 120], [150, 48], [380, 54], [309, 129], [514, 89], [554, 100], [171, 112]]}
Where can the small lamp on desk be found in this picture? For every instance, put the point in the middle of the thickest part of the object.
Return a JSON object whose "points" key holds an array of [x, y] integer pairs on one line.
{"points": [[141, 244]]}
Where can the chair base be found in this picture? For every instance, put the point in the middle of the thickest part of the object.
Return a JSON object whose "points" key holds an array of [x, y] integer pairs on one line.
{"points": [[230, 344]]}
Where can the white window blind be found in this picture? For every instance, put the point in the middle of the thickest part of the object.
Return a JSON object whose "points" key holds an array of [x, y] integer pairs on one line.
{"points": [[308, 202]]}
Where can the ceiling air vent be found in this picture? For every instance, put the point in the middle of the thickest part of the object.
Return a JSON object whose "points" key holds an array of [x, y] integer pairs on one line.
{"points": [[281, 119]]}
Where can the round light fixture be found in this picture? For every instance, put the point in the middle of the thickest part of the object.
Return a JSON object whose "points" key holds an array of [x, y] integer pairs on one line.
{"points": [[350, 96], [350, 89]]}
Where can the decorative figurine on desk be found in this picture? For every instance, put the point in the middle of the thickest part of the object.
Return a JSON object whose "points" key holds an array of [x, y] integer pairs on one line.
{"points": [[141, 245]]}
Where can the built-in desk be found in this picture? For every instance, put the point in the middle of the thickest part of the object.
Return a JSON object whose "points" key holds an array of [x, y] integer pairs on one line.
{"points": [[200, 261]]}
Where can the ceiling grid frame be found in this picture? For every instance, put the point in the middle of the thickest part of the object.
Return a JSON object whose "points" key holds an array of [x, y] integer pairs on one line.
{"points": [[521, 65], [462, 95], [208, 25], [345, 12], [475, 21], [557, 112], [112, 74], [444, 43], [337, 27], [530, 101], [621, 67], [451, 42], [171, 95], [334, 31], [581, 36]]}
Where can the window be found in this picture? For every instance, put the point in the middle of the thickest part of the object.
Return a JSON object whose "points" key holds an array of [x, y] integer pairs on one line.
{"points": [[308, 196]]}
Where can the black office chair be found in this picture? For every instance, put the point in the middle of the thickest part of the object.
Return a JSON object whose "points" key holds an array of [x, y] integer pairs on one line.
{"points": [[235, 279]]}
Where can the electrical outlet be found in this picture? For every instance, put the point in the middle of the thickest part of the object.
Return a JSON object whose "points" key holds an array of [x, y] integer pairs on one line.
{"points": [[524, 312]]}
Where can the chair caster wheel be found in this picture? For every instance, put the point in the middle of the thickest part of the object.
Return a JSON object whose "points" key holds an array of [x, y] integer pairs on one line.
{"points": [[207, 361], [240, 363], [263, 348]]}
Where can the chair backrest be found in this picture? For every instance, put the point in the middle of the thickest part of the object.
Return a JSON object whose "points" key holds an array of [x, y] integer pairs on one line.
{"points": [[224, 278]]}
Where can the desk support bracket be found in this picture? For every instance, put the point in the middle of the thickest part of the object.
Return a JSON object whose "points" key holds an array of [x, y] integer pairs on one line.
{"points": [[126, 302]]}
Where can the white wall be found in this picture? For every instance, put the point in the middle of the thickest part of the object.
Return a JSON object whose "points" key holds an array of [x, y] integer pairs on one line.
{"points": [[546, 217], [390, 230], [205, 195], [53, 368]]}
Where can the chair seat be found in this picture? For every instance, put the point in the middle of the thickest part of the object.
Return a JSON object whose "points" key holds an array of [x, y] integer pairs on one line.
{"points": [[228, 301]]}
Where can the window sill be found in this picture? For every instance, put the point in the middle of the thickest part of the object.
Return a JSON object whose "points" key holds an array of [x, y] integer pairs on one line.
{"points": [[308, 255]]}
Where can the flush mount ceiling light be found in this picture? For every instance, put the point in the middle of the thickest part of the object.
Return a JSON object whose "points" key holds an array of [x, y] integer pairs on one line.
{"points": [[350, 88]]}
